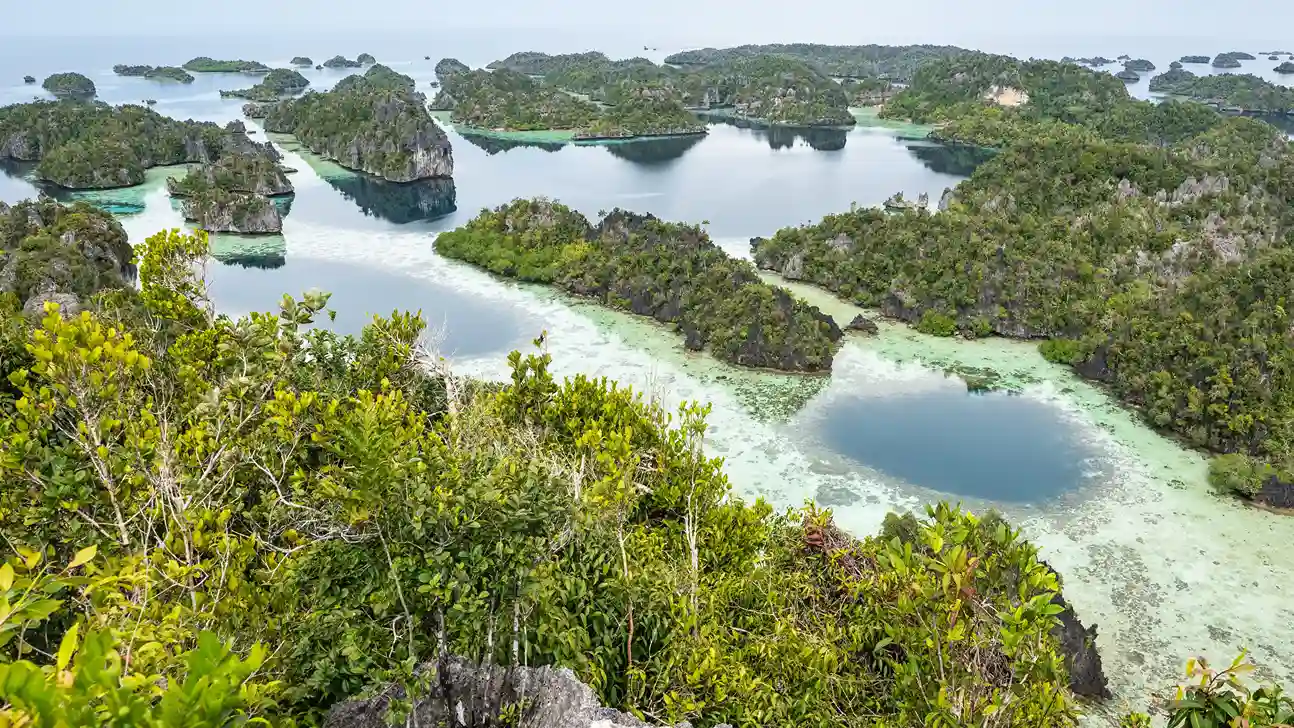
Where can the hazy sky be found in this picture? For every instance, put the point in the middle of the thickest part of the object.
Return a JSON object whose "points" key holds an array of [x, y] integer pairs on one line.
{"points": [[721, 20]]}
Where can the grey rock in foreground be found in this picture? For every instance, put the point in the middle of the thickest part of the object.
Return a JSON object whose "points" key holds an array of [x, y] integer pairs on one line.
{"points": [[466, 695], [234, 213]]}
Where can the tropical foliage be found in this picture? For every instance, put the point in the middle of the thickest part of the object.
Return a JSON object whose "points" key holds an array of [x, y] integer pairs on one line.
{"points": [[70, 86]]}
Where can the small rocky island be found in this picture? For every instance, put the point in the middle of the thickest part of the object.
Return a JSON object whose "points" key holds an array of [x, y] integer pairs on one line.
{"points": [[1171, 81], [365, 59], [82, 147], [341, 62], [70, 86], [507, 100], [277, 83], [1140, 65], [1226, 60], [157, 73], [1286, 67], [375, 123], [1194, 59], [446, 67], [1232, 92], [233, 193], [1128, 75], [203, 64], [668, 271], [29, 79], [302, 61]]}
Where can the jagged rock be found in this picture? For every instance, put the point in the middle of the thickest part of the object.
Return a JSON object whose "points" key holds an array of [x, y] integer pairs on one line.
{"points": [[863, 324], [256, 111], [842, 243], [20, 146], [447, 67], [946, 198], [68, 304], [234, 213], [466, 695], [1078, 646], [794, 268]]}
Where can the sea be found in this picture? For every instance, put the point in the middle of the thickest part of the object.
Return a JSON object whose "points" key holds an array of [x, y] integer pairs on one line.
{"points": [[1147, 550]]}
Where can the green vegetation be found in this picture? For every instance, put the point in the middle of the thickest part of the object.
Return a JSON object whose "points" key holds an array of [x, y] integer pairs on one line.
{"points": [[61, 253], [1140, 65], [1151, 238], [203, 64], [896, 63], [95, 146], [1286, 67], [341, 62], [374, 123], [160, 73], [507, 100], [365, 59], [1226, 60], [318, 516], [1194, 59], [302, 61], [447, 67], [1128, 75], [1242, 91], [534, 63], [652, 112], [669, 271], [277, 83], [70, 86], [868, 91]]}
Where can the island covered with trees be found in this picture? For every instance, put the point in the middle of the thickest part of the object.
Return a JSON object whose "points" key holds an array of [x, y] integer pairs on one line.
{"points": [[97, 146], [374, 123], [1243, 92], [669, 271], [341, 62], [302, 61], [275, 85], [1140, 241], [358, 518], [157, 73], [203, 64], [73, 86], [895, 63], [233, 193]]}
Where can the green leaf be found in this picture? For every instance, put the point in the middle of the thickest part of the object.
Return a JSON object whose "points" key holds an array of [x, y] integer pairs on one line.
{"points": [[68, 646], [6, 577], [83, 556]]}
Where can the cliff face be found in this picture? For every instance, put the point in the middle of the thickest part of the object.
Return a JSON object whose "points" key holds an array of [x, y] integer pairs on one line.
{"points": [[52, 252], [467, 694], [233, 212], [369, 125]]}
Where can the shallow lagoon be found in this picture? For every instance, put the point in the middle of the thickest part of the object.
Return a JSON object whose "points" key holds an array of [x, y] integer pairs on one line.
{"points": [[1147, 551]]}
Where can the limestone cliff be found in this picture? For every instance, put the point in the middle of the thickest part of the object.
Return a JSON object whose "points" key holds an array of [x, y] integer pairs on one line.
{"points": [[233, 212]]}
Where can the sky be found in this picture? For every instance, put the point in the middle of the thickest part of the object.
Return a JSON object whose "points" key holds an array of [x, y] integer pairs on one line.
{"points": [[704, 21]]}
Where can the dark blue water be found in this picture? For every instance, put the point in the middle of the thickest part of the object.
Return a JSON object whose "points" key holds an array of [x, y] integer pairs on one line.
{"points": [[991, 445]]}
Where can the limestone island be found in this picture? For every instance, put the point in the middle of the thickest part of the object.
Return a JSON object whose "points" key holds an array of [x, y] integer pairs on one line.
{"points": [[341, 62], [97, 146], [1128, 75], [53, 253], [73, 86], [1232, 92], [1152, 175], [1194, 59], [1226, 60], [1093, 62], [449, 66], [1241, 55], [375, 123], [277, 83], [29, 79], [1286, 67], [203, 64], [1172, 80], [157, 73], [1140, 65], [302, 61], [668, 271], [1273, 58], [1174, 65], [895, 63], [1125, 57], [365, 59], [233, 193]]}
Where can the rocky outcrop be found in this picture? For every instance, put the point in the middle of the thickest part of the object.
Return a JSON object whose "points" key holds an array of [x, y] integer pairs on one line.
{"points": [[466, 695], [341, 62], [1226, 60], [302, 61], [366, 59], [863, 324], [256, 110], [52, 252], [1286, 67], [1128, 75], [1078, 646], [29, 79], [371, 125], [1194, 59], [233, 212], [447, 67], [1140, 65]]}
